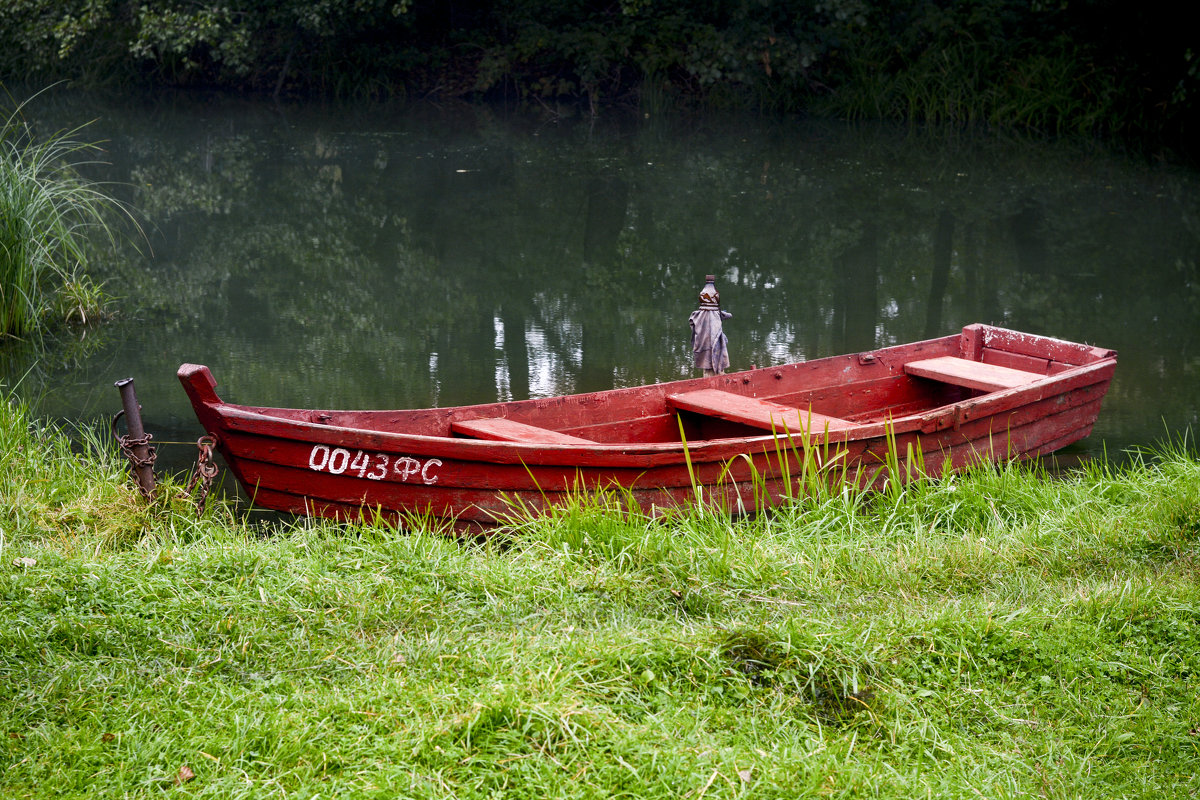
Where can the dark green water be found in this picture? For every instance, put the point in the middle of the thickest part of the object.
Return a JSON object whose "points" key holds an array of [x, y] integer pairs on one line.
{"points": [[353, 257]]}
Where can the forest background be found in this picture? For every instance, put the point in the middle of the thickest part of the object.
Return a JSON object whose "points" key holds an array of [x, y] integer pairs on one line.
{"points": [[1121, 71]]}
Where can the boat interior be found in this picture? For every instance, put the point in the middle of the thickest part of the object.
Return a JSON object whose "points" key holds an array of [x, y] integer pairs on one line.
{"points": [[829, 394], [825, 395], [714, 413]]}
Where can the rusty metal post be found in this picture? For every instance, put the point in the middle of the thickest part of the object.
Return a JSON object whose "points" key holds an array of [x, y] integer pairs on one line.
{"points": [[137, 444]]}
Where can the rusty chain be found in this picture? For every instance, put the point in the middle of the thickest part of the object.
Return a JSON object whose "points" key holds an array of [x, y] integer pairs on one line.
{"points": [[128, 445], [206, 471], [204, 474]]}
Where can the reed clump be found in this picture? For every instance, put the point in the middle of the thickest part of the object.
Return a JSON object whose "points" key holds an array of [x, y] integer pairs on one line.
{"points": [[49, 218]]}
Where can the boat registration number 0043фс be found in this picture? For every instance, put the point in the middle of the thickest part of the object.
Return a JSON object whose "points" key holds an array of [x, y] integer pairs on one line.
{"points": [[373, 466]]}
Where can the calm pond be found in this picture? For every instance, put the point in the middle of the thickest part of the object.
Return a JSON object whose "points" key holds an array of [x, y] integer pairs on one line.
{"points": [[367, 257]]}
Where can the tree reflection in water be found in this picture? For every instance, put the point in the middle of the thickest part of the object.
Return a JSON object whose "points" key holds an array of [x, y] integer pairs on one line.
{"points": [[370, 258]]}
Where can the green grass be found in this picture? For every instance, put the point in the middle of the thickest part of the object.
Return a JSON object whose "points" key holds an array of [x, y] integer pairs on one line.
{"points": [[49, 218], [998, 634]]}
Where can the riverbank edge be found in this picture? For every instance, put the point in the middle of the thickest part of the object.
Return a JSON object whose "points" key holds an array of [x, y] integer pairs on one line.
{"points": [[998, 633]]}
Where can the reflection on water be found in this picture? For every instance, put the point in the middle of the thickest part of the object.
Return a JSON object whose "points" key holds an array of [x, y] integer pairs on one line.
{"points": [[366, 258]]}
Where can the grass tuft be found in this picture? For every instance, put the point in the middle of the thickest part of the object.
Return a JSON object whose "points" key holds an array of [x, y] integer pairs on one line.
{"points": [[49, 216]]}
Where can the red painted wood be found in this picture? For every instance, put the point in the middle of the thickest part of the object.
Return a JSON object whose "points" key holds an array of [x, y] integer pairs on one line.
{"points": [[971, 374], [972, 342], [756, 413], [507, 430], [389, 464], [1008, 341]]}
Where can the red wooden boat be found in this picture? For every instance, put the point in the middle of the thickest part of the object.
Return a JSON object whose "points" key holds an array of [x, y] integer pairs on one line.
{"points": [[735, 439]]}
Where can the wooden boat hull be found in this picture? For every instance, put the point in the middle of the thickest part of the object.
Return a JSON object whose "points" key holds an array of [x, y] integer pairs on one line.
{"points": [[739, 441]]}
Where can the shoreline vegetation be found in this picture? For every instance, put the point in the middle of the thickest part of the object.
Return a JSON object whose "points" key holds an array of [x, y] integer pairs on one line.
{"points": [[53, 224], [1092, 68], [996, 633]]}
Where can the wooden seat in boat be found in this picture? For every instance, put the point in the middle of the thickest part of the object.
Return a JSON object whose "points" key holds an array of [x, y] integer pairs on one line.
{"points": [[501, 429], [971, 374], [756, 413]]}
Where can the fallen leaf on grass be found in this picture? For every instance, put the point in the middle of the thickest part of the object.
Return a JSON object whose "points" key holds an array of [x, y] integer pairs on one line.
{"points": [[185, 774]]}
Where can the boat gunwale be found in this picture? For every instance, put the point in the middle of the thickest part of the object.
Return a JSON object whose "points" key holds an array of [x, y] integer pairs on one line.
{"points": [[268, 448], [984, 405]]}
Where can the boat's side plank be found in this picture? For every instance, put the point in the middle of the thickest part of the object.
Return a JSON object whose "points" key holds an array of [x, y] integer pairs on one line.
{"points": [[1041, 427], [762, 414], [500, 429], [998, 405], [971, 374], [274, 466]]}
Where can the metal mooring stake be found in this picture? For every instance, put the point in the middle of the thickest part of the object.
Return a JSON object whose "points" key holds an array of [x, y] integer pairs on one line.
{"points": [[135, 446]]}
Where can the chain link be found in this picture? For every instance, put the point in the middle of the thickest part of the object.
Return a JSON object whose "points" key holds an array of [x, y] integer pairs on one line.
{"points": [[206, 471], [128, 445]]}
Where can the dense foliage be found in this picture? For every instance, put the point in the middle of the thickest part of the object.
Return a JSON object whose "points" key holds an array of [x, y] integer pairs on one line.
{"points": [[1093, 66]]}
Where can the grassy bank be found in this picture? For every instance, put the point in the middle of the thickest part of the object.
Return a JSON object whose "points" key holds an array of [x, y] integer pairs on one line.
{"points": [[999, 634]]}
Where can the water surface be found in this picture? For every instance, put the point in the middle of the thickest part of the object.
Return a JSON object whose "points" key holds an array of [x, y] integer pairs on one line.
{"points": [[372, 257]]}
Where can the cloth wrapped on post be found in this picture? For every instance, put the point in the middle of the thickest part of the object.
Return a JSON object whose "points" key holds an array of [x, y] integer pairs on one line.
{"points": [[710, 345]]}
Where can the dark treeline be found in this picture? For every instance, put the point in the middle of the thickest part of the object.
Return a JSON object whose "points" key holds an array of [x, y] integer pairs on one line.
{"points": [[1096, 67]]}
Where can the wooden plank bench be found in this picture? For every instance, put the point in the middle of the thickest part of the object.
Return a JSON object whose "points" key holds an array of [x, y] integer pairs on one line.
{"points": [[971, 374], [500, 429], [756, 413]]}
